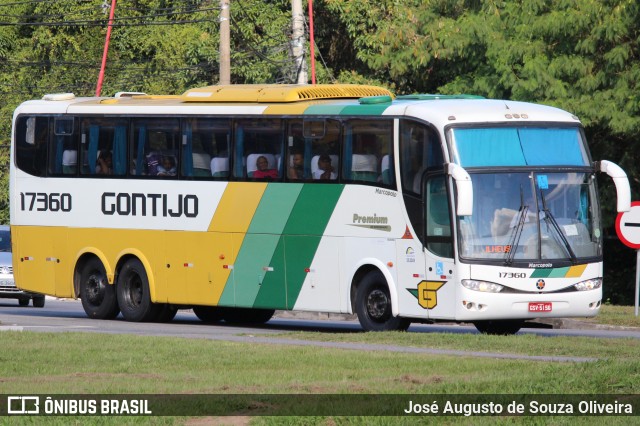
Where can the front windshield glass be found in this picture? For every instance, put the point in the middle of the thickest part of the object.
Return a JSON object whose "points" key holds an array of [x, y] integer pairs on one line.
{"points": [[531, 216]]}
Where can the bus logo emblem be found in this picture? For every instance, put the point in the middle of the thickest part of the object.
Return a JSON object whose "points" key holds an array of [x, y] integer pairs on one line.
{"points": [[540, 284], [427, 293]]}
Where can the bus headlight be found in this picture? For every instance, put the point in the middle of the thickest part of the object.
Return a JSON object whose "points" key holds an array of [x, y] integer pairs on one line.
{"points": [[591, 284], [482, 286]]}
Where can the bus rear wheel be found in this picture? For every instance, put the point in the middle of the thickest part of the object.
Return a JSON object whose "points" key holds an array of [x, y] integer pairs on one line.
{"points": [[38, 301], [167, 313], [373, 305], [499, 328], [98, 296], [134, 297]]}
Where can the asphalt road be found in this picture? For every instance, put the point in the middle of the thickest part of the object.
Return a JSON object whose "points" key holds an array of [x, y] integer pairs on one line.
{"points": [[68, 315]]}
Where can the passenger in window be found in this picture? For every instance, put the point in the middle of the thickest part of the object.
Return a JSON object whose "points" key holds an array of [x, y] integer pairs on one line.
{"points": [[105, 163], [325, 169], [296, 171], [263, 171], [167, 166]]}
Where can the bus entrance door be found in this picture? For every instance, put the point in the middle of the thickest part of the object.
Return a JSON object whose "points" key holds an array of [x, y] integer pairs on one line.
{"points": [[410, 266], [437, 291]]}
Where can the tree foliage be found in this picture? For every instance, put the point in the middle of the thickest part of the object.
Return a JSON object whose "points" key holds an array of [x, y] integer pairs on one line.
{"points": [[579, 55]]}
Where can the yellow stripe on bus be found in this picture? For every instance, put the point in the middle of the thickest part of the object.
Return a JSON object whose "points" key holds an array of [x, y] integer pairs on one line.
{"points": [[228, 227], [575, 271], [286, 109], [237, 207]]}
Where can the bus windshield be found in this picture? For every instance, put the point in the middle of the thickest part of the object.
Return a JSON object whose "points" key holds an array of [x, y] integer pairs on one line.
{"points": [[519, 146], [531, 216]]}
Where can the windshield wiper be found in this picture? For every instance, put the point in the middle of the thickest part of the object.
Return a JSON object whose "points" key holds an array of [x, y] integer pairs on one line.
{"points": [[548, 217], [517, 231]]}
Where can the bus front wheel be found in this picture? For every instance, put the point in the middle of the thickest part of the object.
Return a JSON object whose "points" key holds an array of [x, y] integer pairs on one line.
{"points": [[373, 305], [134, 297], [499, 328], [98, 296]]}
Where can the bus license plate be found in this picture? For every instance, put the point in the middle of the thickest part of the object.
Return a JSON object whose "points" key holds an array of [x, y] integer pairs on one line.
{"points": [[539, 306]]}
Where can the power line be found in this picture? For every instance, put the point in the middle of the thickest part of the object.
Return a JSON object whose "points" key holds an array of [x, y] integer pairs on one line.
{"points": [[120, 21]]}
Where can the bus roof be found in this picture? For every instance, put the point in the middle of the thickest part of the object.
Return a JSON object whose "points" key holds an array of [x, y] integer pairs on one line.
{"points": [[324, 100]]}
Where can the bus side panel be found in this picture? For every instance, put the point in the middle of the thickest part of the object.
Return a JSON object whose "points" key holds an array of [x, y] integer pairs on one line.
{"points": [[170, 273], [31, 270], [272, 292], [410, 267], [260, 263], [306, 225], [194, 270], [321, 287], [230, 223], [254, 262]]}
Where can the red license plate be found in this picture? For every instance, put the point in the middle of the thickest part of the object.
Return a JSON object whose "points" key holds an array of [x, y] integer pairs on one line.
{"points": [[539, 306]]}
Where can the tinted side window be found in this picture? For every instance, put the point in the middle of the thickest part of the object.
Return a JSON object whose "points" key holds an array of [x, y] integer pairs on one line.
{"points": [[258, 149], [368, 148], [103, 149], [63, 149], [205, 148], [154, 151], [31, 138], [419, 151], [314, 150]]}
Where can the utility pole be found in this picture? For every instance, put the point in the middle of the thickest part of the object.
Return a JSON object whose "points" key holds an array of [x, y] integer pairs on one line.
{"points": [[106, 48], [298, 41], [225, 41]]}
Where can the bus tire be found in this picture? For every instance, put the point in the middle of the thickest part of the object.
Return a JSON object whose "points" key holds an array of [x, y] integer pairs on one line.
{"points": [[38, 301], [373, 305], [98, 297], [499, 328], [247, 315], [167, 313], [260, 316], [134, 297], [208, 314], [23, 302]]}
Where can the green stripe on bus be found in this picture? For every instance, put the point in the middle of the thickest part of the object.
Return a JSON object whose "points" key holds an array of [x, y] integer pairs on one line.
{"points": [[313, 209], [304, 230], [254, 262], [325, 109], [272, 213], [365, 109], [558, 272], [540, 273], [298, 245]]}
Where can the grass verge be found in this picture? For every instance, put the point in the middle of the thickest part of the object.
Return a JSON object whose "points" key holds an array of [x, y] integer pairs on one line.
{"points": [[78, 363]]}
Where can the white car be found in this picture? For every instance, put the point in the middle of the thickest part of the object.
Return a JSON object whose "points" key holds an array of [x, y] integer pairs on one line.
{"points": [[8, 289]]}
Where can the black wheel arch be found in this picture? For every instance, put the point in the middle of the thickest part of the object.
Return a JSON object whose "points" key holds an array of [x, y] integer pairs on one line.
{"points": [[77, 271]]}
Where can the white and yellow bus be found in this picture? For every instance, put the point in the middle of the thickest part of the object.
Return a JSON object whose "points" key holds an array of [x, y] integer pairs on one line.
{"points": [[236, 201]]}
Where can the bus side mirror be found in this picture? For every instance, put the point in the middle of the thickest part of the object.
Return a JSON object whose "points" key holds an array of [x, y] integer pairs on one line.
{"points": [[464, 187], [620, 180]]}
